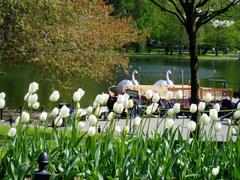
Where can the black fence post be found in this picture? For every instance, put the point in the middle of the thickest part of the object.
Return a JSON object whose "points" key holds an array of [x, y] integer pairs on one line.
{"points": [[99, 128], [10, 120], [42, 173], [1, 114]]}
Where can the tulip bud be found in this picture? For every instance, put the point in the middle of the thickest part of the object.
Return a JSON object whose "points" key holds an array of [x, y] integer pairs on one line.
{"points": [[2, 103], [179, 94], [110, 116], [217, 107], [43, 116], [25, 116], [64, 112], [12, 132], [193, 108], [170, 112], [213, 114], [218, 126], [81, 125], [215, 171], [2, 95], [176, 108], [149, 94], [89, 110], [236, 114], [33, 87], [36, 105], [91, 131], [201, 106], [169, 123], [191, 126], [54, 112], [137, 121], [205, 119], [54, 96], [92, 120], [33, 98], [118, 108], [155, 98], [208, 97], [120, 99], [58, 121]]}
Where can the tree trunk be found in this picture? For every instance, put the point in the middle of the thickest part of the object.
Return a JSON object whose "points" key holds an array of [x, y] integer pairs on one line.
{"points": [[194, 64]]}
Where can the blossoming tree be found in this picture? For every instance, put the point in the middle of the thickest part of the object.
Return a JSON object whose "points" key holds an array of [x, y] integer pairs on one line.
{"points": [[193, 14], [64, 37]]}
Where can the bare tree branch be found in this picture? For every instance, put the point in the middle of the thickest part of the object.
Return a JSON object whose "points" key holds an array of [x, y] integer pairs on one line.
{"points": [[179, 16]]}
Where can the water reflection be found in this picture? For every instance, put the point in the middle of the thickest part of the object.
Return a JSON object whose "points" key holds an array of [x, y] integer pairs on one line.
{"points": [[15, 82]]}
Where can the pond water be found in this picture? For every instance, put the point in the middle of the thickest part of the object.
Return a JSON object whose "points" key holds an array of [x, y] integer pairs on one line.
{"points": [[15, 82]]}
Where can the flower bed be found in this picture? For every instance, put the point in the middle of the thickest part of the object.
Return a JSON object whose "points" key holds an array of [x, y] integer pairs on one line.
{"points": [[120, 152]]}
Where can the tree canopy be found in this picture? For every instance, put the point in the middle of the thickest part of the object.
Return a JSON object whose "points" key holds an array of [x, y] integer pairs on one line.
{"points": [[72, 37]]}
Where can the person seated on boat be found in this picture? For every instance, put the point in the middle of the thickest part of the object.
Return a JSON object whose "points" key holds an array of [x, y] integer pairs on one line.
{"points": [[236, 98]]}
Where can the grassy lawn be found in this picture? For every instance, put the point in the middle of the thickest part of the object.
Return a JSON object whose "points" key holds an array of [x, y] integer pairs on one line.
{"points": [[182, 57]]}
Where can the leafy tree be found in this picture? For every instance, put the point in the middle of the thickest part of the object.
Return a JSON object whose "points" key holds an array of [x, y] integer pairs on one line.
{"points": [[72, 38], [193, 14]]}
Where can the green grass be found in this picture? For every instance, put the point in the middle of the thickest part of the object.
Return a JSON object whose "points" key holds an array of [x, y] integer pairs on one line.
{"points": [[181, 57]]}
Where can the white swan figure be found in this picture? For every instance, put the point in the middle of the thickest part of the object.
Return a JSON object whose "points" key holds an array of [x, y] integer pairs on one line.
{"points": [[124, 83], [168, 81]]}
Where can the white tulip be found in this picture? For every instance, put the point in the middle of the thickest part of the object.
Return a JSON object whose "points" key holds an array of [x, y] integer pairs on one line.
{"points": [[126, 96], [176, 108], [81, 91], [98, 112], [137, 121], [169, 123], [118, 129], [54, 96], [193, 108], [2, 103], [12, 132], [118, 107], [58, 121], [218, 126], [217, 107], [215, 171], [43, 116], [120, 99], [201, 106], [126, 129], [92, 120], [2, 95], [99, 99], [81, 125], [89, 110], [64, 112], [25, 116], [205, 119], [17, 121], [80, 112], [236, 114], [169, 95], [170, 112], [105, 98], [33, 98], [110, 116], [26, 96], [179, 94], [76, 96], [33, 87], [229, 122], [36, 105], [208, 97], [155, 98], [149, 94], [213, 114], [54, 112], [91, 131], [151, 108], [238, 105], [130, 103], [234, 131], [191, 126]]}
